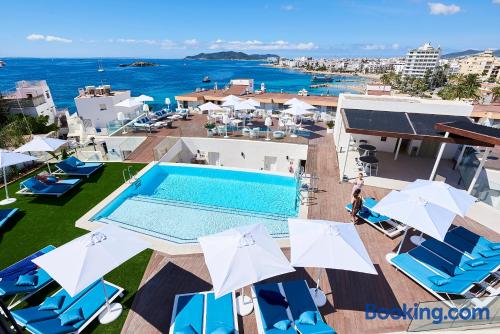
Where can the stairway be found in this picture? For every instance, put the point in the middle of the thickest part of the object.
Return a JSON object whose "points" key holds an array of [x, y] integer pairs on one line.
{"points": [[144, 152]]}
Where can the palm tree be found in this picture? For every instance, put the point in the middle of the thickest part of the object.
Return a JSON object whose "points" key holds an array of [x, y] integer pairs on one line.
{"points": [[496, 92]]}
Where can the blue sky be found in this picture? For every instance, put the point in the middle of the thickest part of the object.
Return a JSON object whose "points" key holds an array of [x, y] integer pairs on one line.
{"points": [[173, 29]]}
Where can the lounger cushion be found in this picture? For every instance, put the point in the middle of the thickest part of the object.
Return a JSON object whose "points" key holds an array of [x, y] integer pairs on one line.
{"points": [[52, 179], [189, 311], [24, 266], [283, 324], [219, 313], [72, 161], [72, 317], [270, 314], [495, 246], [52, 303], [489, 253], [186, 330], [27, 280], [273, 298], [439, 280], [307, 318], [476, 263]]}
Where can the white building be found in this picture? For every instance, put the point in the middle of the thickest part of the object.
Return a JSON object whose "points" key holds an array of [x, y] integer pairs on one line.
{"points": [[32, 98], [421, 59], [96, 105]]}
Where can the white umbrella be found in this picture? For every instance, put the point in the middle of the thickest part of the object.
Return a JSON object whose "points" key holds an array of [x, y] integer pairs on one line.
{"points": [[296, 110], [299, 103], [144, 98], [145, 108], [327, 244], [253, 102], [230, 100], [442, 194], [84, 260], [416, 212], [209, 106], [244, 105], [42, 144], [242, 256], [129, 103], [268, 122], [7, 159]]}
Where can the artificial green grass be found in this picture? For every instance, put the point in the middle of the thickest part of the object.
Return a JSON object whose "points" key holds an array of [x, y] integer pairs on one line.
{"points": [[46, 220]]}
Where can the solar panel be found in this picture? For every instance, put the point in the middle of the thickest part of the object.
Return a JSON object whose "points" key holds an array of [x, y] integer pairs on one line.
{"points": [[375, 120], [424, 124], [476, 128]]}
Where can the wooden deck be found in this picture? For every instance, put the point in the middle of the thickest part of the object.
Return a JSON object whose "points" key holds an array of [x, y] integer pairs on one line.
{"points": [[347, 292]]}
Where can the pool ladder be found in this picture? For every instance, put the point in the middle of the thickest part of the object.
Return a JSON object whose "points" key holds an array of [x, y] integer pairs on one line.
{"points": [[128, 175]]}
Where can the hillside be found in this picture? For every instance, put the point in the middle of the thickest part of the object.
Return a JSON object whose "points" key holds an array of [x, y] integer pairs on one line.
{"points": [[230, 55], [467, 53]]}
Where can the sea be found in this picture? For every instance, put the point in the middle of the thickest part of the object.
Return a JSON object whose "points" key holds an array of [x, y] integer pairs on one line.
{"points": [[172, 77]]}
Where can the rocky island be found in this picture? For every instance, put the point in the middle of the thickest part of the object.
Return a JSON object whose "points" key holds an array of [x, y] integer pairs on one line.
{"points": [[139, 64]]}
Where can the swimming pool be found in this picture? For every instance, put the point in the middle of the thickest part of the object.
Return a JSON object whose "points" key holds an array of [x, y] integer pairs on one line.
{"points": [[180, 203]]}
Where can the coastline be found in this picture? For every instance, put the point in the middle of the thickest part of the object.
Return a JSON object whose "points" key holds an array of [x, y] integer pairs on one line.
{"points": [[371, 76]]}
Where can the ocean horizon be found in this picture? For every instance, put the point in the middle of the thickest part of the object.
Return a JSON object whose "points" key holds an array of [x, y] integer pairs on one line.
{"points": [[172, 77]]}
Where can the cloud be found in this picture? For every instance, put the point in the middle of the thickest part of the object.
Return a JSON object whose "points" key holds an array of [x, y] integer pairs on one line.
{"points": [[259, 45], [438, 8], [496, 2], [380, 47], [47, 38], [136, 41], [192, 41], [288, 8]]}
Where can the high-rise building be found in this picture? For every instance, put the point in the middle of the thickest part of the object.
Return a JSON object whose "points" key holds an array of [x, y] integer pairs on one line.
{"points": [[421, 59]]}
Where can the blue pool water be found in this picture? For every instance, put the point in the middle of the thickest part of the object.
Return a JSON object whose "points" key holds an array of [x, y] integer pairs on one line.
{"points": [[181, 203]]}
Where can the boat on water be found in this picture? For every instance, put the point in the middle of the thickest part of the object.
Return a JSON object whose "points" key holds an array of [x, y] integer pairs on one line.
{"points": [[2, 63], [321, 78], [206, 79], [100, 68]]}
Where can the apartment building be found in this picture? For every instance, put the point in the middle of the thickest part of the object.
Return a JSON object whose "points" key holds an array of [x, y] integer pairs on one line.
{"points": [[418, 61]]}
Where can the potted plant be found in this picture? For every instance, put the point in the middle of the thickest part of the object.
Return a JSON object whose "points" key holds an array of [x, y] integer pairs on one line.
{"points": [[329, 126], [209, 127]]}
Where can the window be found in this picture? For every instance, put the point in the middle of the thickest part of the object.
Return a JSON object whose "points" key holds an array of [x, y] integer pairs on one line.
{"points": [[383, 138], [102, 106]]}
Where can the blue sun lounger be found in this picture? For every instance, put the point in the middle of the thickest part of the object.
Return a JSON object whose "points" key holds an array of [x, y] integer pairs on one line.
{"points": [[22, 267], [299, 299], [220, 312], [266, 314], [32, 186], [459, 259], [75, 167], [382, 223], [91, 304], [6, 214], [188, 312], [32, 314], [23, 292], [472, 243]]}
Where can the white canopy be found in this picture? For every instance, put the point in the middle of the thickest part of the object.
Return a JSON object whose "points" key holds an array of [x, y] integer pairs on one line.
{"points": [[144, 98], [297, 111], [129, 103], [442, 194], [242, 256], [327, 244], [145, 107], [82, 261], [268, 121], [416, 212], [244, 105], [299, 103], [42, 144], [209, 106]]}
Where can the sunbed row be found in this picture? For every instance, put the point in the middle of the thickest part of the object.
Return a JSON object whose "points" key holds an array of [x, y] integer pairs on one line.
{"points": [[286, 308], [58, 313], [464, 266], [51, 185]]}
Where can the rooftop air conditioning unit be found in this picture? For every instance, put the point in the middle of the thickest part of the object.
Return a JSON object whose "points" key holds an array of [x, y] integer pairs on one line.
{"points": [[106, 89]]}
